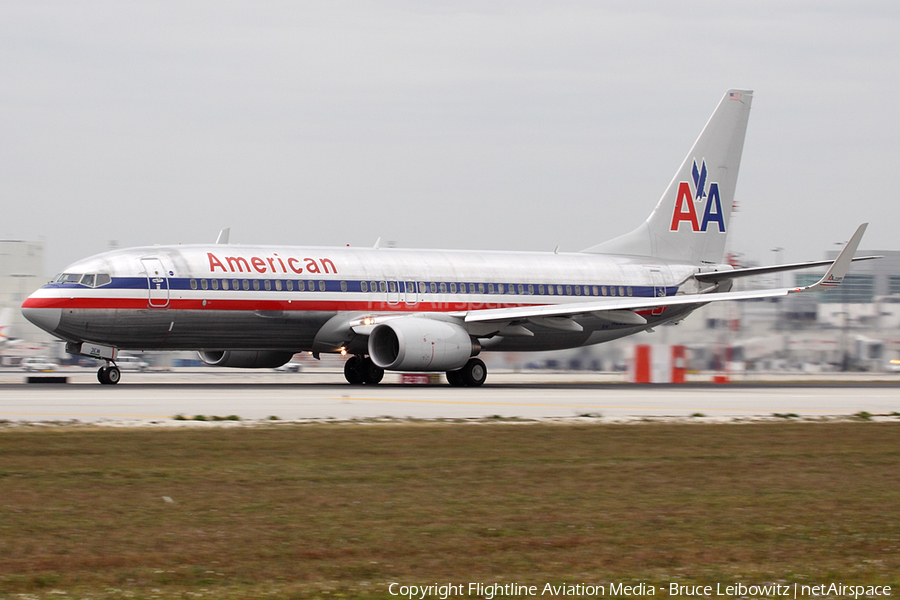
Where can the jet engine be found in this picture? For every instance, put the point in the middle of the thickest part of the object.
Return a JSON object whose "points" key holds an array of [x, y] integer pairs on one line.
{"points": [[245, 359], [420, 344]]}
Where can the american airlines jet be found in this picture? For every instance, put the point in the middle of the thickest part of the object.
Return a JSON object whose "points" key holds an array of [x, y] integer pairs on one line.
{"points": [[418, 310]]}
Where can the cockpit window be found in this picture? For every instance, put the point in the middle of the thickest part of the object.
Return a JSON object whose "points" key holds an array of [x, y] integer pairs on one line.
{"points": [[87, 280]]}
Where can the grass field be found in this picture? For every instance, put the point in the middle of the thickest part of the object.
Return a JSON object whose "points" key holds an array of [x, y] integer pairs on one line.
{"points": [[340, 510]]}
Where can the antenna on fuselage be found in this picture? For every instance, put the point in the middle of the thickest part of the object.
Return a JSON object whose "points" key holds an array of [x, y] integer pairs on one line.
{"points": [[223, 236], [378, 243]]}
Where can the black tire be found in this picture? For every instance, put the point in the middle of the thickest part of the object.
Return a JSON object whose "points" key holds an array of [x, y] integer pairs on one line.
{"points": [[101, 375], [454, 378], [372, 373], [113, 375], [353, 371], [474, 373]]}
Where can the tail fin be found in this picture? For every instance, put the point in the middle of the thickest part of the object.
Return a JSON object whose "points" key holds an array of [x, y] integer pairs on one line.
{"points": [[691, 220]]}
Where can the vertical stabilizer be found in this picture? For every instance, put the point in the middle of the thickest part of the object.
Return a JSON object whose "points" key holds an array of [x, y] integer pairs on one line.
{"points": [[691, 220]]}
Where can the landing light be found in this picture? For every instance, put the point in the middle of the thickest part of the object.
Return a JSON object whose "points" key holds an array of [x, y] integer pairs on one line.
{"points": [[343, 352]]}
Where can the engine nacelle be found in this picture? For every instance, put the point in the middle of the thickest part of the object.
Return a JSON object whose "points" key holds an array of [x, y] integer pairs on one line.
{"points": [[420, 344], [245, 359]]}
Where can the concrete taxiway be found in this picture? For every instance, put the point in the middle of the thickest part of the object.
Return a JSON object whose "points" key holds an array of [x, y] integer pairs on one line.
{"points": [[158, 397]]}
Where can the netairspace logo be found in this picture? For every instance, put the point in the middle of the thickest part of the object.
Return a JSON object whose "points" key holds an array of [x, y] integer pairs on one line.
{"points": [[490, 591]]}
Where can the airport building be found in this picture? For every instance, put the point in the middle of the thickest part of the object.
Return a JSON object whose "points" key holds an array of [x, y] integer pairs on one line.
{"points": [[21, 273]]}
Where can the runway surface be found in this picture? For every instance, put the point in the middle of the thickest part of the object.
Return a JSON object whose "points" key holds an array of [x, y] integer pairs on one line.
{"points": [[158, 397]]}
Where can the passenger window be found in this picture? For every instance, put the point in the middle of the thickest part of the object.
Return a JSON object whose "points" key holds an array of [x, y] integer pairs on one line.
{"points": [[490, 288], [512, 289], [559, 290], [301, 286], [443, 288], [343, 286], [577, 290], [215, 284], [596, 291], [530, 289], [193, 284], [541, 290], [603, 290], [363, 286], [224, 284], [235, 284], [612, 291], [499, 288], [550, 290], [382, 286], [453, 288], [290, 285], [204, 284], [321, 286], [433, 287], [393, 287], [629, 290], [277, 285], [422, 288], [256, 284], [245, 284], [568, 290], [480, 288], [621, 291], [268, 285]]}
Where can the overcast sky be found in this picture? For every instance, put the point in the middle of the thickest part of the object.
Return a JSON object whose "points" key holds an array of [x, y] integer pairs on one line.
{"points": [[494, 125]]}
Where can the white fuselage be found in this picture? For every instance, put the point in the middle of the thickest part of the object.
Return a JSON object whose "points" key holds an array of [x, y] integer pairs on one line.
{"points": [[299, 298]]}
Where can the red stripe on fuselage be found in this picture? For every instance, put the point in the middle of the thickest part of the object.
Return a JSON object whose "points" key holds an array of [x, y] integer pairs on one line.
{"points": [[256, 305]]}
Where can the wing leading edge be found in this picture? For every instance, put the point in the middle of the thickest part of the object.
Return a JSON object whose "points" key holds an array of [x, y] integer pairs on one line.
{"points": [[615, 309]]}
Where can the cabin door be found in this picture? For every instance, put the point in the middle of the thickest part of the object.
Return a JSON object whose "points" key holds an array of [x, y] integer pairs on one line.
{"points": [[157, 282], [659, 286]]}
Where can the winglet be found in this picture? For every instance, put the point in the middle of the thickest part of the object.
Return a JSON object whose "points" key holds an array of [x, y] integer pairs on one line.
{"points": [[223, 236], [835, 274]]}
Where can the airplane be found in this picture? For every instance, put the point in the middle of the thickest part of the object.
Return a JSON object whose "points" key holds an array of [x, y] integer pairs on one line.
{"points": [[254, 306]]}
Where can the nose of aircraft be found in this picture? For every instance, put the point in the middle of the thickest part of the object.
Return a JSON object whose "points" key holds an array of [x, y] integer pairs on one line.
{"points": [[36, 309]]}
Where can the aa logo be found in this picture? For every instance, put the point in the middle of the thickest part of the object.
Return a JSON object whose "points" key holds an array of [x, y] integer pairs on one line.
{"points": [[687, 201]]}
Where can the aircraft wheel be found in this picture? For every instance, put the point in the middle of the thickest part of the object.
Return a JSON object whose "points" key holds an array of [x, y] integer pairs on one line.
{"points": [[101, 375], [454, 378], [474, 373], [353, 370], [113, 375], [372, 373]]}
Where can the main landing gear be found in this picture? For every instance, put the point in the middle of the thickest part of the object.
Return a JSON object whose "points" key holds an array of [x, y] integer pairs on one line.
{"points": [[471, 375], [109, 375], [360, 369]]}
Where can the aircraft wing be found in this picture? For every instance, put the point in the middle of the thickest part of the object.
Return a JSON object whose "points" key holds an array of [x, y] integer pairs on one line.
{"points": [[717, 276], [622, 310]]}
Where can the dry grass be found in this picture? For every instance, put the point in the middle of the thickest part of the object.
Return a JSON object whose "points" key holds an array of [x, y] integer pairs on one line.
{"points": [[296, 511]]}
